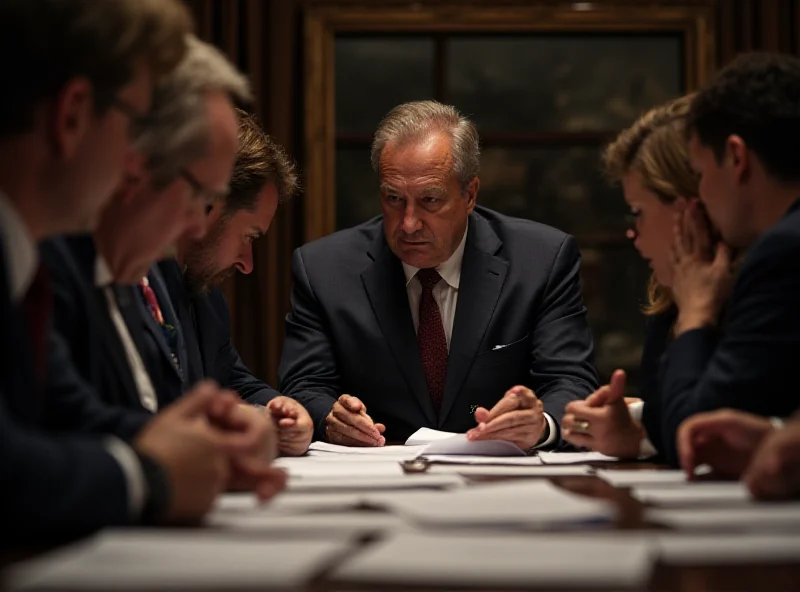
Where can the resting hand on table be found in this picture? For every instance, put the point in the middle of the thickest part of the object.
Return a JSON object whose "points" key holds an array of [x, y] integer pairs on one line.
{"points": [[250, 468], [517, 418], [726, 440], [774, 472], [603, 422], [295, 428], [349, 425]]}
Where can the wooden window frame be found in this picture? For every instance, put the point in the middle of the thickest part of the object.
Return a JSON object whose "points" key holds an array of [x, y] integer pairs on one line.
{"points": [[694, 21]]}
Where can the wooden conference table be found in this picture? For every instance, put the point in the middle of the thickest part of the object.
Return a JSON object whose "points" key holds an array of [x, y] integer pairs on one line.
{"points": [[630, 516]]}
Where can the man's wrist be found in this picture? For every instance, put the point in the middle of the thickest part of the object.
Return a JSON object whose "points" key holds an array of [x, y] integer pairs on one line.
{"points": [[159, 493]]}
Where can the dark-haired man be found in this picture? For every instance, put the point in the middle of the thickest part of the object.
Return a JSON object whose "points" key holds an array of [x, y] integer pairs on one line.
{"points": [[745, 145], [262, 177]]}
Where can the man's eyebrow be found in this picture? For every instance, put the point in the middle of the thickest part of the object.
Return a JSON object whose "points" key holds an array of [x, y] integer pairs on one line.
{"points": [[386, 187]]}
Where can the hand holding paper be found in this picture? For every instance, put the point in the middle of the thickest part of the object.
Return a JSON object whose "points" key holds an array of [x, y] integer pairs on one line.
{"points": [[517, 418]]}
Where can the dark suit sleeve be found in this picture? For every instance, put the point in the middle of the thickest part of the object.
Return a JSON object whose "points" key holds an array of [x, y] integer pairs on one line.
{"points": [[72, 405], [562, 369], [753, 366], [308, 370], [56, 487], [230, 368]]}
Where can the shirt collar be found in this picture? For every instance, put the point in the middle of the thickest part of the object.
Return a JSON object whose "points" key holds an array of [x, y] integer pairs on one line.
{"points": [[102, 273], [20, 249], [450, 270]]}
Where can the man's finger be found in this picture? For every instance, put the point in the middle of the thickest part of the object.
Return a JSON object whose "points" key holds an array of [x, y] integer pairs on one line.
{"points": [[617, 386], [360, 422], [352, 404], [510, 420], [364, 438], [599, 398], [509, 402], [286, 423], [685, 445], [722, 257]]}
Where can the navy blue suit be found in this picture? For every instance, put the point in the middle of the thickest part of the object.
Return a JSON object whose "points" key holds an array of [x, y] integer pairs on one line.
{"points": [[58, 479], [206, 327], [351, 331], [753, 365]]}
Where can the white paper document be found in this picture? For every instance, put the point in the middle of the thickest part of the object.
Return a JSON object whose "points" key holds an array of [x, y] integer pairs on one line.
{"points": [[752, 516], [436, 442], [688, 494], [317, 468], [355, 524], [705, 549], [477, 470], [562, 458], [466, 459], [499, 560], [631, 478], [374, 482], [169, 560], [328, 451], [522, 504]]}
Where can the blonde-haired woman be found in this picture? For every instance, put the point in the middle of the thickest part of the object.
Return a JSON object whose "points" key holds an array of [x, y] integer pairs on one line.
{"points": [[651, 162]]}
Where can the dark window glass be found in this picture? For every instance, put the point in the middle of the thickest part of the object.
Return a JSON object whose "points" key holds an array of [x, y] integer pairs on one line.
{"points": [[561, 82], [374, 74], [357, 189]]}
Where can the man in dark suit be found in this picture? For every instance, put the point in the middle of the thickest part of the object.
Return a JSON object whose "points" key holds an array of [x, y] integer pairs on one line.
{"points": [[69, 464], [262, 177], [438, 314], [134, 356], [744, 145]]}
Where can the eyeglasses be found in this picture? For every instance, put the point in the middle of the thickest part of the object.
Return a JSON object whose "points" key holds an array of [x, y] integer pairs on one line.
{"points": [[209, 196]]}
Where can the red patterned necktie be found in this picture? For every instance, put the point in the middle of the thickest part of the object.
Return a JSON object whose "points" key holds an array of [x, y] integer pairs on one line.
{"points": [[431, 338], [151, 300], [37, 306]]}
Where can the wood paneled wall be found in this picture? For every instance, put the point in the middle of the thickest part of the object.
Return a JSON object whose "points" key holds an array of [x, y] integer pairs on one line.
{"points": [[264, 38]]}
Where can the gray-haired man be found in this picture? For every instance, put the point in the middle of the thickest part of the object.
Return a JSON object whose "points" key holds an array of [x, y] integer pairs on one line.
{"points": [[189, 143], [439, 314]]}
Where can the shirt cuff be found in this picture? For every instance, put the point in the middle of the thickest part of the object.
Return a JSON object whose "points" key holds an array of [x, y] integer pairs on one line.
{"points": [[134, 475], [551, 437], [646, 448]]}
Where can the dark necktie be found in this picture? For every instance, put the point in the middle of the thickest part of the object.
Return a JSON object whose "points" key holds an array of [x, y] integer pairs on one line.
{"points": [[170, 332], [431, 338], [37, 306]]}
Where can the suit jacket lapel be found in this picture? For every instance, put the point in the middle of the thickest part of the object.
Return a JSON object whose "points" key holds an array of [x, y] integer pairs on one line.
{"points": [[183, 307], [385, 284], [155, 329], [482, 277]]}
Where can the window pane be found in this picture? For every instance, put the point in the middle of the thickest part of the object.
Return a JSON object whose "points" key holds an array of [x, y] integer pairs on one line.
{"points": [[614, 282], [562, 82], [562, 187], [374, 74], [357, 194]]}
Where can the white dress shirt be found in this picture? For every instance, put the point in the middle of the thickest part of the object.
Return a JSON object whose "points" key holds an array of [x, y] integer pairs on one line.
{"points": [[147, 392], [445, 293], [23, 259]]}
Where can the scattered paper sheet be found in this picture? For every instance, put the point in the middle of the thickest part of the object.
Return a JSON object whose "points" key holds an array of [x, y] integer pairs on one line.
{"points": [[375, 482], [314, 468], [477, 470], [693, 493], [521, 503], [464, 459], [395, 452], [753, 516], [705, 549], [560, 458], [170, 559], [630, 478], [436, 442], [354, 524], [452, 560]]}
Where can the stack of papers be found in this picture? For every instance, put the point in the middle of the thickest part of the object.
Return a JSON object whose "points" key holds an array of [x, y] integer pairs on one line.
{"points": [[452, 560], [752, 516], [169, 559], [704, 549], [692, 493], [631, 478], [521, 504]]}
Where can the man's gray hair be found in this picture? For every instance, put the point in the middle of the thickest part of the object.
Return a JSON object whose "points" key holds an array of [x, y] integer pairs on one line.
{"points": [[415, 121], [177, 131]]}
